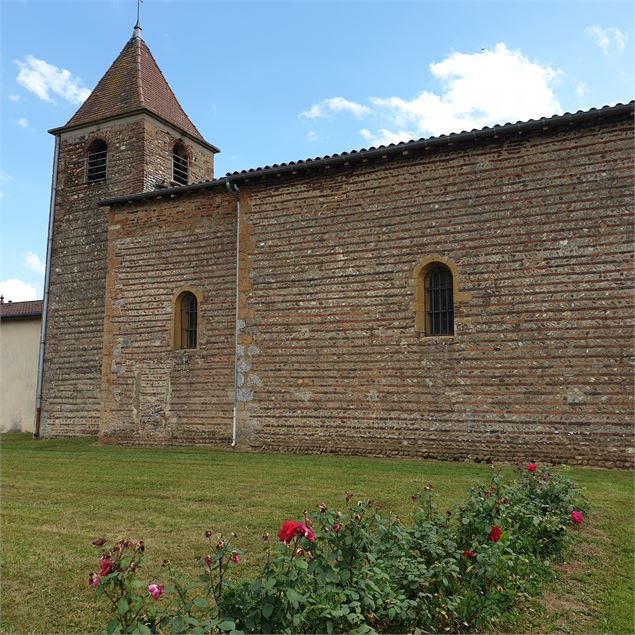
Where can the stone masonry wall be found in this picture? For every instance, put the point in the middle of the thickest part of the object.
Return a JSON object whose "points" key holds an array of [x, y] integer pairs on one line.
{"points": [[72, 373], [153, 394], [139, 155], [540, 229], [158, 156]]}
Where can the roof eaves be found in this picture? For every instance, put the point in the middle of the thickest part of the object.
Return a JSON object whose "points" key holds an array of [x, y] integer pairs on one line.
{"points": [[131, 113], [404, 147], [20, 316]]}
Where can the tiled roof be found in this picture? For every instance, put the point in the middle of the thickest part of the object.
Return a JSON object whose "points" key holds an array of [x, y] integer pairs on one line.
{"points": [[449, 138], [133, 82], [9, 310], [393, 149]]}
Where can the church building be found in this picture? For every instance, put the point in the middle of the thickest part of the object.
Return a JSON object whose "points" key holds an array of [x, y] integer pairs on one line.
{"points": [[466, 297]]}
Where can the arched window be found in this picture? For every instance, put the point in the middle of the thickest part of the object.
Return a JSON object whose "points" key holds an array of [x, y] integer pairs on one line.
{"points": [[185, 320], [96, 161], [180, 164], [439, 300]]}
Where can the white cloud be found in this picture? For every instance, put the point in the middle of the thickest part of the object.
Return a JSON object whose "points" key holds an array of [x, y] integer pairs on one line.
{"points": [[33, 262], [312, 136], [479, 89], [490, 87], [15, 98], [384, 137], [607, 39], [581, 89], [23, 122], [43, 78], [17, 290], [333, 105]]}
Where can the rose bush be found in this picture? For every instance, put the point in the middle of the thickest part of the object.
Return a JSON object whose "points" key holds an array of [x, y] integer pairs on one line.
{"points": [[359, 570]]}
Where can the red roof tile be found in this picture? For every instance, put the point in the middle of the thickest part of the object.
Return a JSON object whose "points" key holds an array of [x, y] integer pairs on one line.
{"points": [[134, 81], [32, 308]]}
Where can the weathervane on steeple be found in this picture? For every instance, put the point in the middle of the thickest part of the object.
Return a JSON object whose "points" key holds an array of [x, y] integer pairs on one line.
{"points": [[137, 26]]}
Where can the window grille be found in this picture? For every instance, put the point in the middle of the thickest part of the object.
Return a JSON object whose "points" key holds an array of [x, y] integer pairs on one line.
{"points": [[189, 307], [180, 164], [96, 161], [439, 301]]}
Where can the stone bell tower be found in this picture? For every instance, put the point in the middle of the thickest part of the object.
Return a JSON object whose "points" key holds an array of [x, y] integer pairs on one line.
{"points": [[129, 136]]}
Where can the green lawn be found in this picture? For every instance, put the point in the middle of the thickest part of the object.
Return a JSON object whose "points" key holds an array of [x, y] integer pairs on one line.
{"points": [[57, 496]]}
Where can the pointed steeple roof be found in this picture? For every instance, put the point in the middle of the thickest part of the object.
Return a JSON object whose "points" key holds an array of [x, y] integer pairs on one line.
{"points": [[134, 82]]}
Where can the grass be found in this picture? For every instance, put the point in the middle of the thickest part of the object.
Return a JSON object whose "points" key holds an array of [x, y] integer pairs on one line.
{"points": [[58, 495]]}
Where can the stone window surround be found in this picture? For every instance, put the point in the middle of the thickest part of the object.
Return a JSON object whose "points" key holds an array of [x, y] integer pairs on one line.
{"points": [[175, 334], [418, 283]]}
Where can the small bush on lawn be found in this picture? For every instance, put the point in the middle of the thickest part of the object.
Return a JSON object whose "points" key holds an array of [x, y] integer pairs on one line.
{"points": [[361, 570]]}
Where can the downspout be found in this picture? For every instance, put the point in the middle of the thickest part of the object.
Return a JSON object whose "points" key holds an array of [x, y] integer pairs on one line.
{"points": [[232, 187], [45, 304]]}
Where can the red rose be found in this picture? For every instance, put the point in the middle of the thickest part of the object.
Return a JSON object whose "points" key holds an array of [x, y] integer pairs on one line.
{"points": [[288, 531], [106, 566], [469, 554], [495, 534], [337, 527], [532, 467]]}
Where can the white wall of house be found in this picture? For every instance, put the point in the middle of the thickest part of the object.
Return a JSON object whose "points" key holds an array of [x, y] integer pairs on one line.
{"points": [[19, 342]]}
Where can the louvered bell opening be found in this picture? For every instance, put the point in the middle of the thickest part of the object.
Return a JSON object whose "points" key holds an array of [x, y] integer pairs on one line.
{"points": [[180, 168], [439, 302], [96, 164]]}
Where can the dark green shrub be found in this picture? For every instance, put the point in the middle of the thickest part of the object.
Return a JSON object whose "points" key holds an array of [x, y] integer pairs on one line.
{"points": [[362, 571]]}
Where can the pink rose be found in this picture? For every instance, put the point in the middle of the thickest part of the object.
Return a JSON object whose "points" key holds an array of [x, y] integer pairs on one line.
{"points": [[307, 532], [532, 467], [93, 580], [235, 558], [156, 590], [577, 517]]}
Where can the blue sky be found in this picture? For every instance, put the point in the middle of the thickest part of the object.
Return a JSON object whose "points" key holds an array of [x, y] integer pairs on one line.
{"points": [[270, 82]]}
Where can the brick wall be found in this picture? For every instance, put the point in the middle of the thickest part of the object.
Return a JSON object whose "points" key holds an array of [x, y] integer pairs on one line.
{"points": [[158, 156], [139, 155], [540, 229], [151, 392], [72, 376]]}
